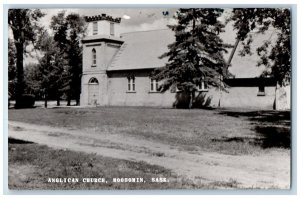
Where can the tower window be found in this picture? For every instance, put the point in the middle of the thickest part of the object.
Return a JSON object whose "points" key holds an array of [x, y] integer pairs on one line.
{"points": [[95, 28], [131, 84], [94, 57], [112, 29]]}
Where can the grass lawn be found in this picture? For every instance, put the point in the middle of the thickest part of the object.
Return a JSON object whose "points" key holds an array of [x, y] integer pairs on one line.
{"points": [[234, 132], [31, 165], [225, 131]]}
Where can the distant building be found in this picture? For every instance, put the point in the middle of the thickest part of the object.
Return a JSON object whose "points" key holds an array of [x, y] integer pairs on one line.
{"points": [[117, 68]]}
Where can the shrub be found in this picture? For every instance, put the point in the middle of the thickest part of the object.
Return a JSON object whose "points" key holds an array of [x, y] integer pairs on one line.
{"points": [[26, 101]]}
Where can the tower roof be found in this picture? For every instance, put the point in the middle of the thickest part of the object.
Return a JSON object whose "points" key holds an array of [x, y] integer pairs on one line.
{"points": [[102, 17]]}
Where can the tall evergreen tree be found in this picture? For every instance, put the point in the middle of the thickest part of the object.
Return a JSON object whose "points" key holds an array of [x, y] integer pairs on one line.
{"points": [[24, 26], [276, 57], [197, 54], [68, 31], [76, 25]]}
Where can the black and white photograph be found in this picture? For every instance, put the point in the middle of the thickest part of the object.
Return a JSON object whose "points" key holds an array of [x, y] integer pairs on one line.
{"points": [[149, 98]]}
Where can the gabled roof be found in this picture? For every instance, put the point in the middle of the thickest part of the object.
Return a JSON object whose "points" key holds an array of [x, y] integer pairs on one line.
{"points": [[141, 50], [246, 66]]}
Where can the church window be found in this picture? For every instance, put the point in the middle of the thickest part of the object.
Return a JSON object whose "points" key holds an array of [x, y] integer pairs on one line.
{"points": [[261, 91], [95, 28], [94, 57], [131, 84], [93, 80], [153, 85], [202, 86], [112, 29]]}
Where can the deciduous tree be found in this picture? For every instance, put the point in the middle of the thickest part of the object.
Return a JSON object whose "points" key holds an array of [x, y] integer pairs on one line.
{"points": [[52, 68], [276, 57], [24, 26], [11, 69]]}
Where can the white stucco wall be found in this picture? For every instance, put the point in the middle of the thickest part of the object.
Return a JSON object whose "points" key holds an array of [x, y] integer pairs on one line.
{"points": [[102, 79], [88, 58], [283, 98], [242, 97], [104, 54], [105, 51], [118, 94], [288, 95], [113, 91], [246, 97]]}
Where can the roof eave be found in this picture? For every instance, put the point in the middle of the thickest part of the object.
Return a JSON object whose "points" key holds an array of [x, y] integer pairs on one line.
{"points": [[129, 69], [84, 41]]}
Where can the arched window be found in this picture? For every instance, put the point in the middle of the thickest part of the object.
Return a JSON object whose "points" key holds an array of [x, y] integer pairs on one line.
{"points": [[93, 80], [94, 57]]}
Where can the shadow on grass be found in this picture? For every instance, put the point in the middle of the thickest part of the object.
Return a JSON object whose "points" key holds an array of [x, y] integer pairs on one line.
{"points": [[262, 116], [19, 108], [278, 137], [272, 128], [17, 141]]}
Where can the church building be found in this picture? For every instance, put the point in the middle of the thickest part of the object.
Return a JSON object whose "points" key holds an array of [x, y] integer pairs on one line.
{"points": [[117, 68]]}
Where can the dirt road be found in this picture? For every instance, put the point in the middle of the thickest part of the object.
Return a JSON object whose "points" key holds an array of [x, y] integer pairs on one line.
{"points": [[270, 170]]}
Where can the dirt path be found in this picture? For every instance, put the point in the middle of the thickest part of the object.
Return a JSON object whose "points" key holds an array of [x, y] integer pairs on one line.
{"points": [[263, 171]]}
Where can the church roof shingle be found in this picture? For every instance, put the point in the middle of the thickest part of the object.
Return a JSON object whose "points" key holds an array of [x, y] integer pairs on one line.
{"points": [[141, 50]]}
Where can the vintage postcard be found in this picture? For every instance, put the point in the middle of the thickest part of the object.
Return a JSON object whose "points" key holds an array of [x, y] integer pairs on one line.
{"points": [[149, 98]]}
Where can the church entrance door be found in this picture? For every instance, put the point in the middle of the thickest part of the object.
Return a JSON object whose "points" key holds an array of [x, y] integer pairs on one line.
{"points": [[93, 89]]}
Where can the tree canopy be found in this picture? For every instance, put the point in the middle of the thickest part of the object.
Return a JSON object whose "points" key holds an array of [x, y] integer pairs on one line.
{"points": [[24, 26], [52, 68], [11, 68], [60, 56], [68, 31], [275, 57]]}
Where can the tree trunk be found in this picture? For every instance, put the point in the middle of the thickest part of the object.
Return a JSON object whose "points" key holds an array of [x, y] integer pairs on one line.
{"points": [[233, 51], [69, 99], [77, 96], [191, 100], [46, 101], [58, 101], [77, 101], [20, 73]]}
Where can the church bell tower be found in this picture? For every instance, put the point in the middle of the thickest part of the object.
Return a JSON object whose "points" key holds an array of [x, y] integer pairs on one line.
{"points": [[100, 45]]}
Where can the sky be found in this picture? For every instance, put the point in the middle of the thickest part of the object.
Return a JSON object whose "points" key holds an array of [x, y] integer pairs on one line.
{"points": [[141, 19], [133, 19]]}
